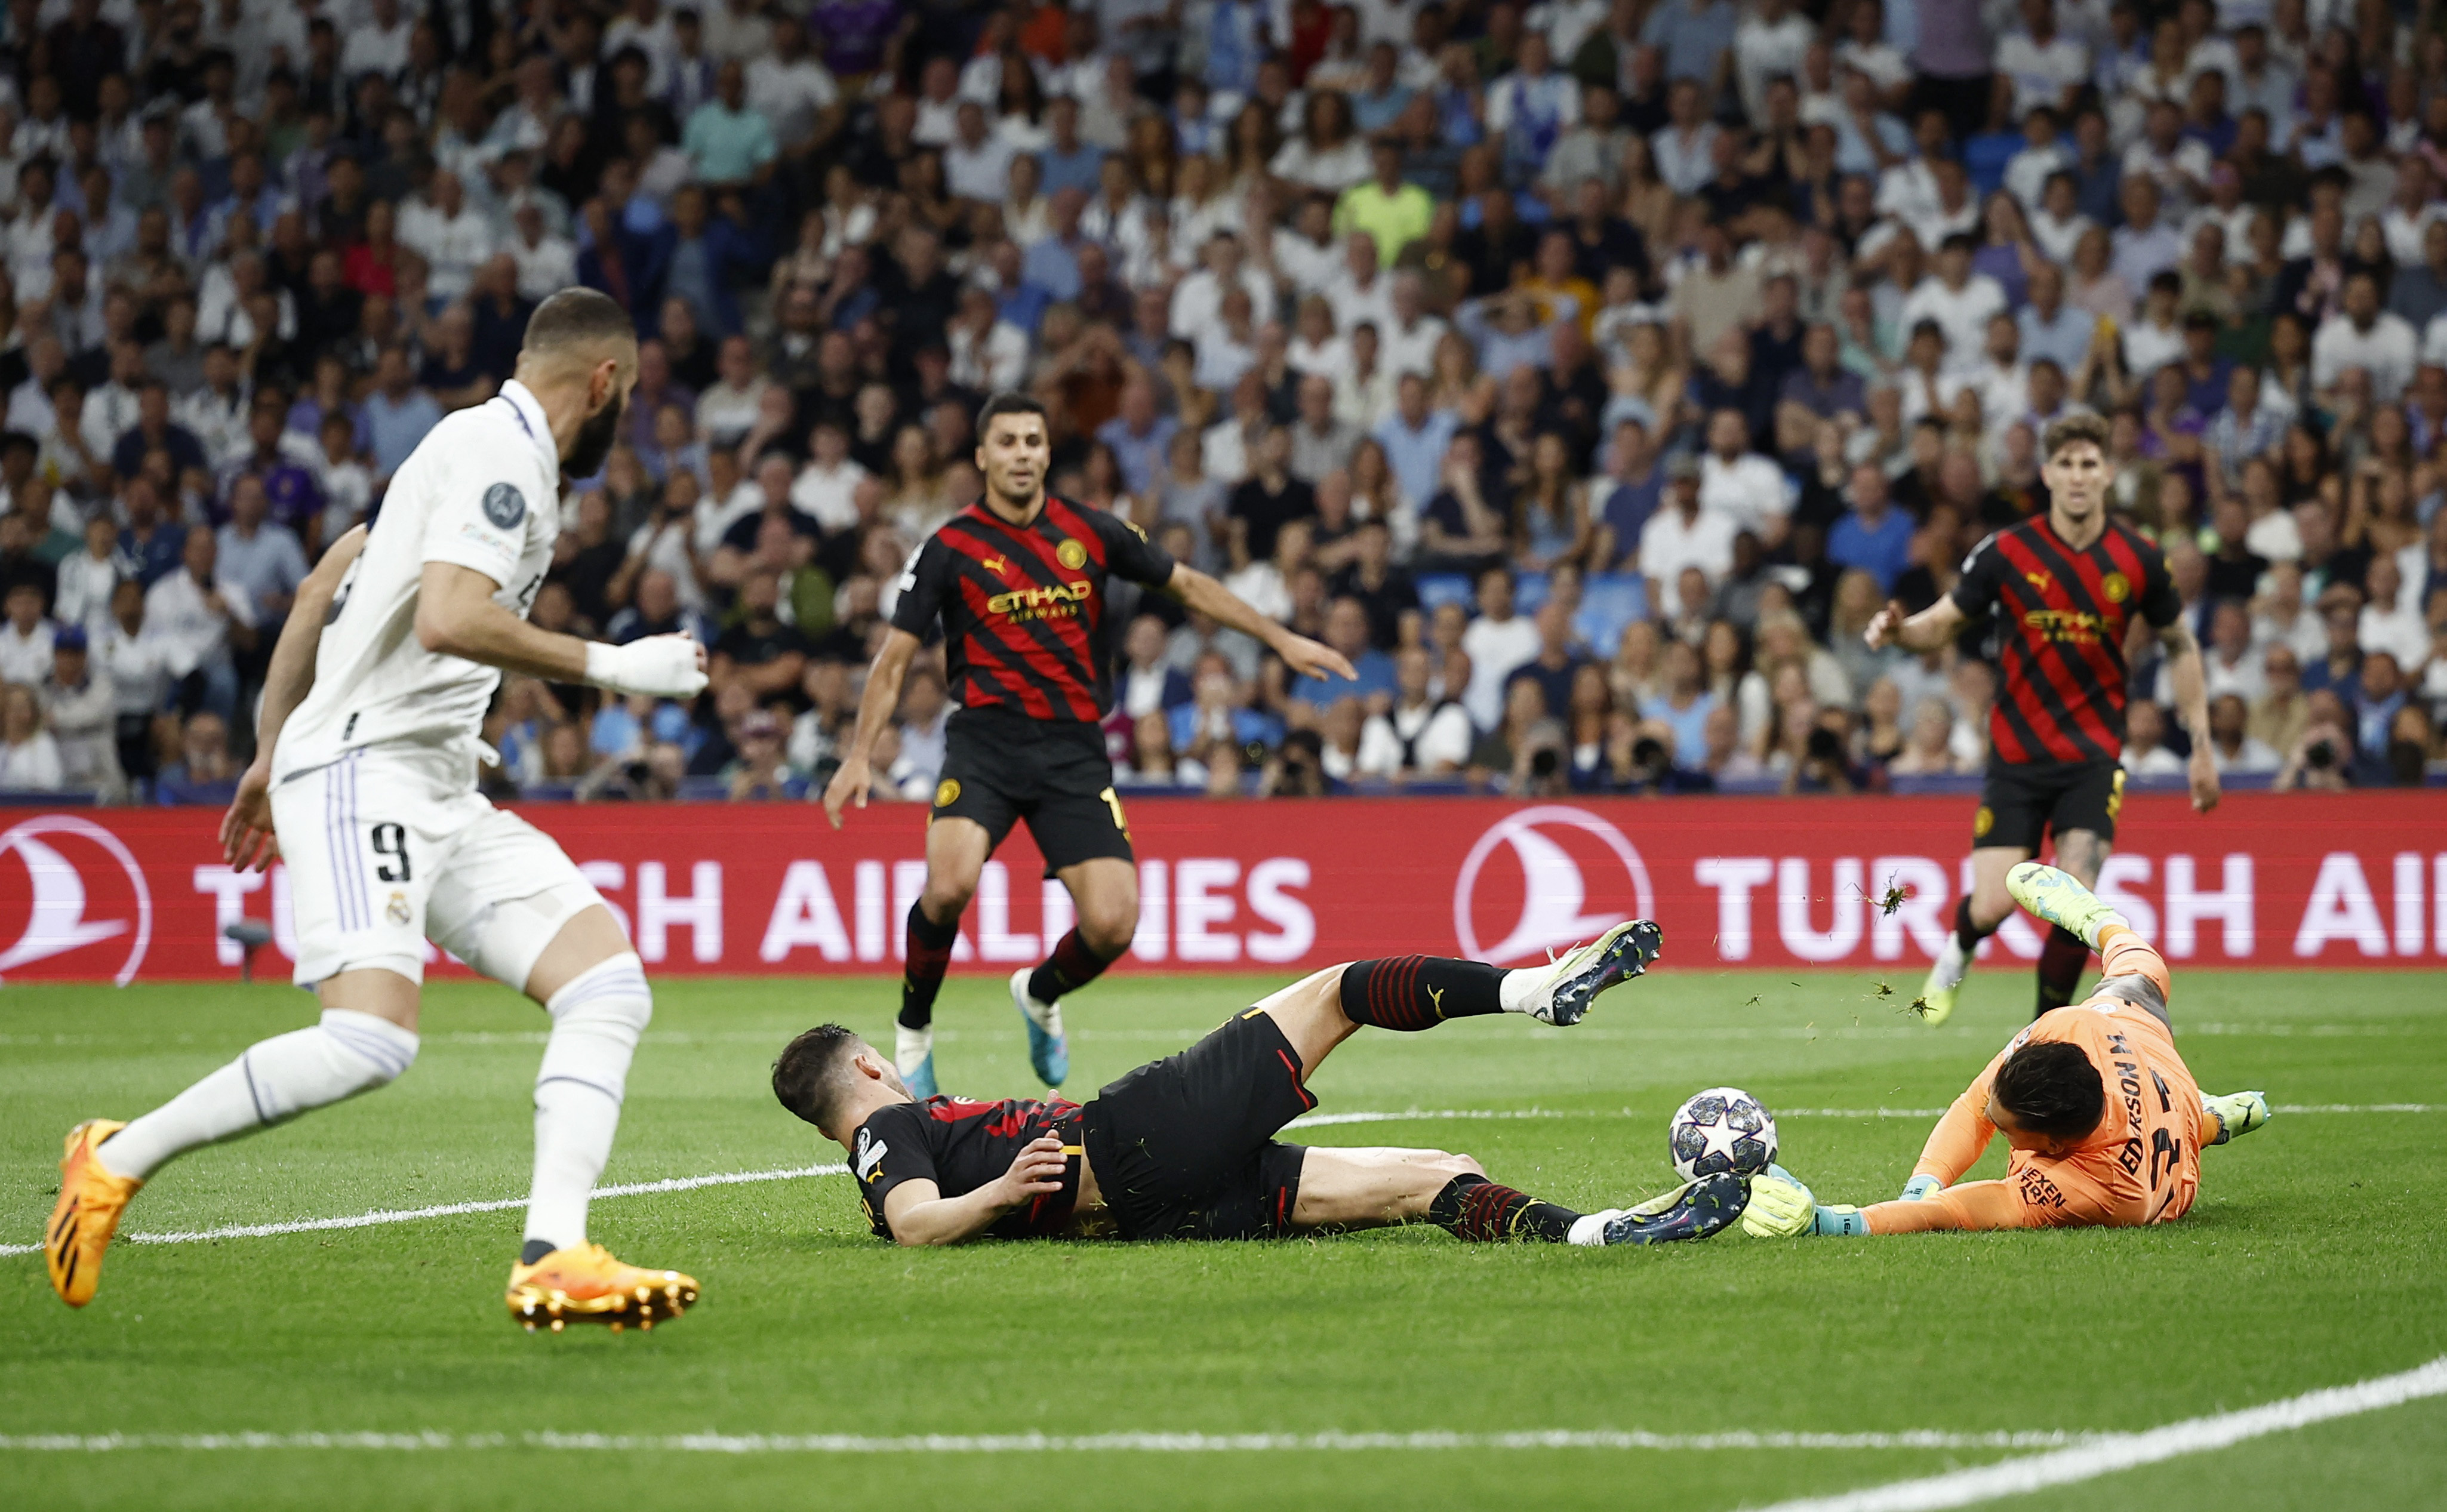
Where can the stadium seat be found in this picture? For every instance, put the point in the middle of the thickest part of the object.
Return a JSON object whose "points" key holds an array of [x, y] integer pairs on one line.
{"points": [[1530, 590], [1439, 589], [1609, 602]]}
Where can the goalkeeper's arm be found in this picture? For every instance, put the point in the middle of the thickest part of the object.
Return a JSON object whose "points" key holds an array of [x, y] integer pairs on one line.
{"points": [[456, 616], [1781, 1207]]}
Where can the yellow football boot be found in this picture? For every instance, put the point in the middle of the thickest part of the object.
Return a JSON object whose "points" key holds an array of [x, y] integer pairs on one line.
{"points": [[585, 1284], [86, 1213]]}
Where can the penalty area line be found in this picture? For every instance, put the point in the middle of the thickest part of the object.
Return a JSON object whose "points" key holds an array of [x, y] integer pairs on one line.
{"points": [[2111, 1453], [2064, 1457], [377, 1218], [1139, 1443]]}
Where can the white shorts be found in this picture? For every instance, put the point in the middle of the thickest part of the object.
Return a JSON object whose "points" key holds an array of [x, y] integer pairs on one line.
{"points": [[391, 845]]}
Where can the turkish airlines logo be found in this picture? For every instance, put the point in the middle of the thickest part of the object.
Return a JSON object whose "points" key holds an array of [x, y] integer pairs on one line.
{"points": [[55, 919], [1560, 851]]}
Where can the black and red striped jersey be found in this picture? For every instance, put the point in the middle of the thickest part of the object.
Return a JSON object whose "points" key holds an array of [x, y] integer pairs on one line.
{"points": [[2060, 621], [960, 1145], [1025, 618]]}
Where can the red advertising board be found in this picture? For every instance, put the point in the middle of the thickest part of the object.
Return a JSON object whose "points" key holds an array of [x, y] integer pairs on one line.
{"points": [[2353, 880]]}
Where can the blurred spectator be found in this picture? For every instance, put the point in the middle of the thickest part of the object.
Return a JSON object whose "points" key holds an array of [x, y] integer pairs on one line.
{"points": [[27, 639], [30, 758], [1420, 736]]}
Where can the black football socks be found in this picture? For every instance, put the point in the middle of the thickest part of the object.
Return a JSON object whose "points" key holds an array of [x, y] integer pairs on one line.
{"points": [[2063, 960], [1473, 1207], [1071, 967], [1411, 993], [930, 953]]}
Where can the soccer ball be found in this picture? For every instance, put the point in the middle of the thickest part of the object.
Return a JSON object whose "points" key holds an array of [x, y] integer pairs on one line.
{"points": [[1721, 1131]]}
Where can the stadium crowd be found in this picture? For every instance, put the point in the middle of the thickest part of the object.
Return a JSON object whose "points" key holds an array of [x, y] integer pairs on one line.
{"points": [[1588, 372]]}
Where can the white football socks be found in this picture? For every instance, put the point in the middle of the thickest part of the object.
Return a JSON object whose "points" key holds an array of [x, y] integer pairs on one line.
{"points": [[596, 1021], [347, 1053], [1953, 961]]}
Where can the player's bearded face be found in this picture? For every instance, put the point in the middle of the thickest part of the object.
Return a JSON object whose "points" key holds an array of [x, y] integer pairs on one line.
{"points": [[594, 437]]}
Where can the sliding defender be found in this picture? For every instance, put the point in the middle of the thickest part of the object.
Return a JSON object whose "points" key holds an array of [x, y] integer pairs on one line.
{"points": [[2105, 1120], [1185, 1148]]}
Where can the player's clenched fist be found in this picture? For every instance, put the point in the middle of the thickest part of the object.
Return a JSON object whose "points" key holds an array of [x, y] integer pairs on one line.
{"points": [[1884, 625], [1036, 1171], [657, 666]]}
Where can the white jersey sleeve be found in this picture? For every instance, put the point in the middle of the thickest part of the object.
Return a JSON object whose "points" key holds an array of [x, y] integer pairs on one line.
{"points": [[482, 491]]}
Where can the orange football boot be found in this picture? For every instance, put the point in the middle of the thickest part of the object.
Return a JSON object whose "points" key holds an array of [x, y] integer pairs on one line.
{"points": [[86, 1213], [585, 1284]]}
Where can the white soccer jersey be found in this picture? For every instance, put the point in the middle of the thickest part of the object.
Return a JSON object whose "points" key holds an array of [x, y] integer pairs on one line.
{"points": [[481, 490]]}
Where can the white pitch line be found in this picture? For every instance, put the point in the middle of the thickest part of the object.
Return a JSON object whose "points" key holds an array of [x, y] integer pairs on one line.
{"points": [[1049, 1443], [409, 1215], [379, 1217], [2108, 1453]]}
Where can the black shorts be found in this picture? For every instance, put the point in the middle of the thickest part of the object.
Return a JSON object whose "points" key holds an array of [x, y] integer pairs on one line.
{"points": [[2020, 805], [1001, 767], [1184, 1148]]}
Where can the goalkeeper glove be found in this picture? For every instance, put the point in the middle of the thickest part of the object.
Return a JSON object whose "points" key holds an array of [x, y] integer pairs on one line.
{"points": [[657, 666], [1921, 1188], [1781, 1207]]}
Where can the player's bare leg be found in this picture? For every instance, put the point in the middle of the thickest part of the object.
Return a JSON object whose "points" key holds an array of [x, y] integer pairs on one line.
{"points": [[1367, 1188], [595, 988], [1104, 895], [1976, 917], [366, 1038], [2080, 853], [956, 849]]}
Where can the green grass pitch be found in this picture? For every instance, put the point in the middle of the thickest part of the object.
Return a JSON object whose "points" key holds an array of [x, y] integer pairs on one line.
{"points": [[2313, 1258]]}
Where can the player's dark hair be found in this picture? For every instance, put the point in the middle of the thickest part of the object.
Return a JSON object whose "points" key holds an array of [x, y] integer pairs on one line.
{"points": [[2051, 1088], [576, 318], [1007, 402], [2072, 430], [809, 1077]]}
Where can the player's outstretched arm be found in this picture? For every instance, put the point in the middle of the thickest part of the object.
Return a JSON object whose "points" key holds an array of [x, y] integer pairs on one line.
{"points": [[918, 1216], [875, 706], [247, 839], [456, 616], [1928, 630], [2190, 680], [1306, 657]]}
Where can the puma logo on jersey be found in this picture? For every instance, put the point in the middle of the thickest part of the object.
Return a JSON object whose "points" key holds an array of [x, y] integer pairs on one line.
{"points": [[870, 1154], [2042, 580], [998, 565]]}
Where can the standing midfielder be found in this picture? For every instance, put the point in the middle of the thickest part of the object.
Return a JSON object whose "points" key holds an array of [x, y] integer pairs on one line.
{"points": [[1018, 580], [2065, 588], [365, 783]]}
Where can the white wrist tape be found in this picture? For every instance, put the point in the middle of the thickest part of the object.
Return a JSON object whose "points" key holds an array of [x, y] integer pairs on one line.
{"points": [[659, 665]]}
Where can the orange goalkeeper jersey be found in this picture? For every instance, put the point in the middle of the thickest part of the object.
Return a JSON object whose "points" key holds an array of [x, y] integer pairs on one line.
{"points": [[2142, 1164]]}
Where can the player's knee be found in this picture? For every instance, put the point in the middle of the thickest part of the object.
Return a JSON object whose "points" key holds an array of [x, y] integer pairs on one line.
{"points": [[363, 1052], [946, 899], [1108, 927], [612, 996], [1446, 1166]]}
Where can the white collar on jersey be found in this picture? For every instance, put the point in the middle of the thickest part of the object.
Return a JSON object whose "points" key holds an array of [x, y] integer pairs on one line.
{"points": [[522, 403]]}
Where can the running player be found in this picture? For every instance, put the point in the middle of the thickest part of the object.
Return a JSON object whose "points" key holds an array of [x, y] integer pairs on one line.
{"points": [[2065, 588], [2105, 1121], [1017, 582], [366, 784], [1184, 1148]]}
